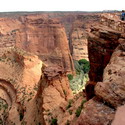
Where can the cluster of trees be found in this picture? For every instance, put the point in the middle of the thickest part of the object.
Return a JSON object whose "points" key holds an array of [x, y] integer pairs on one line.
{"points": [[82, 65], [77, 82]]}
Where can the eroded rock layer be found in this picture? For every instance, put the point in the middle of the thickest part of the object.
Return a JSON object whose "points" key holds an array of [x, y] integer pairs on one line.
{"points": [[29, 89], [20, 73], [39, 35], [109, 94], [78, 35], [41, 93], [102, 41]]}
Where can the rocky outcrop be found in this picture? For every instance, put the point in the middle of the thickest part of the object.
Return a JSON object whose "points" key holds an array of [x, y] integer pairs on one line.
{"points": [[112, 87], [113, 21], [55, 92], [20, 73], [109, 94], [102, 41], [39, 35], [119, 116], [30, 89], [78, 35], [95, 112]]}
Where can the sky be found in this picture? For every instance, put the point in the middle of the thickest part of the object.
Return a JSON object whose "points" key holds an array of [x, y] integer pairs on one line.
{"points": [[61, 5]]}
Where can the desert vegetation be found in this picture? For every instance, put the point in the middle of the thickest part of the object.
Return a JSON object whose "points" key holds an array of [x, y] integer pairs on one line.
{"points": [[77, 82]]}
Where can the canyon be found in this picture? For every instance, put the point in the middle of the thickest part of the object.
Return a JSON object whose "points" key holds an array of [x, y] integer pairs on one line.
{"points": [[37, 52]]}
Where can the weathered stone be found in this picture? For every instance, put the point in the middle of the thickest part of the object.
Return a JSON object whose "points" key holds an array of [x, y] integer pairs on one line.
{"points": [[112, 87], [20, 73], [95, 112], [119, 116]]}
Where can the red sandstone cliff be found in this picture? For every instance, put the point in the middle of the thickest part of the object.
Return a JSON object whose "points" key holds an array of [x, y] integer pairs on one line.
{"points": [[34, 92], [20, 73], [42, 95], [78, 35], [108, 68], [28, 89], [39, 35], [102, 41]]}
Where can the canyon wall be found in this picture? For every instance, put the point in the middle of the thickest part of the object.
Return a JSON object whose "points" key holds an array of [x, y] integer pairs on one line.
{"points": [[20, 73], [76, 25], [102, 41], [106, 54], [29, 90], [39, 90], [78, 35], [39, 35]]}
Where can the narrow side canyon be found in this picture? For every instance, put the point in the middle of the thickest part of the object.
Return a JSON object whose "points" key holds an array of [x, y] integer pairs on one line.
{"points": [[42, 59]]}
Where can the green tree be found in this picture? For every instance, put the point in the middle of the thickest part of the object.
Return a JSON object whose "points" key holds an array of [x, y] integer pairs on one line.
{"points": [[85, 65], [70, 77]]}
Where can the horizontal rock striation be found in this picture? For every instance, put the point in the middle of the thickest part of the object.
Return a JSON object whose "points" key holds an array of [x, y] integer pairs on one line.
{"points": [[40, 35], [78, 35]]}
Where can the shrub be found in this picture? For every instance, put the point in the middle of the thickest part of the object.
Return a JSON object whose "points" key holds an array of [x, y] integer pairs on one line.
{"points": [[70, 112], [77, 82], [79, 109], [83, 61], [54, 121], [85, 65], [84, 101], [64, 91], [70, 77], [69, 104]]}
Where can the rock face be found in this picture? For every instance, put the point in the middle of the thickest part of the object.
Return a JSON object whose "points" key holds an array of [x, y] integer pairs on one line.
{"points": [[113, 21], [26, 96], [55, 92], [20, 73], [29, 89], [119, 116], [112, 87], [95, 112], [78, 35], [7, 31], [39, 35], [109, 94], [102, 41]]}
